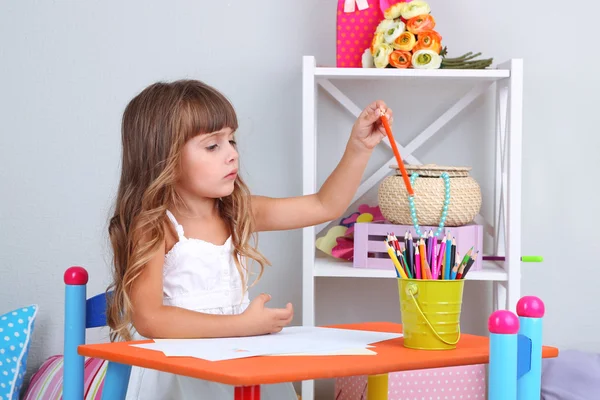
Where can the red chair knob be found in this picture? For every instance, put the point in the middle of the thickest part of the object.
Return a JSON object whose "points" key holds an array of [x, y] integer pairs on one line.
{"points": [[76, 276]]}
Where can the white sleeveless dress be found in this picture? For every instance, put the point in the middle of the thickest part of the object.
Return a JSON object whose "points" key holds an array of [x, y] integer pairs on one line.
{"points": [[198, 276]]}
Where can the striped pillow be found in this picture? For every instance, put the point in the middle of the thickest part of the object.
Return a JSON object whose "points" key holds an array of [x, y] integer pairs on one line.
{"points": [[46, 383]]}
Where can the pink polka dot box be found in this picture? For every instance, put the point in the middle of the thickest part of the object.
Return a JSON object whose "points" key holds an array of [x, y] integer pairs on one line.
{"points": [[452, 383]]}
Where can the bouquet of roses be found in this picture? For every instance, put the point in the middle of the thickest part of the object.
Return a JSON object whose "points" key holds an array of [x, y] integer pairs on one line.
{"points": [[406, 38]]}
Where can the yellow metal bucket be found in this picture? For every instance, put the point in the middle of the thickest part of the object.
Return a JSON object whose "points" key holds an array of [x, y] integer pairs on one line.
{"points": [[431, 312]]}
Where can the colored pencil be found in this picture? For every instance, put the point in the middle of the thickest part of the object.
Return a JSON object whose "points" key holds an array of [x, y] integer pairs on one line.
{"points": [[402, 260], [390, 136], [406, 256], [396, 242], [463, 264], [448, 256], [399, 271], [423, 253], [523, 258], [433, 255], [417, 263], [430, 248], [454, 268], [454, 272], [392, 241], [452, 257], [427, 245], [460, 273], [408, 271], [424, 263], [440, 258], [466, 258], [469, 264], [427, 270], [411, 254]]}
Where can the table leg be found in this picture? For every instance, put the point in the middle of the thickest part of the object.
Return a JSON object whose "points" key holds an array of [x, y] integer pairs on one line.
{"points": [[247, 393], [116, 381], [377, 387]]}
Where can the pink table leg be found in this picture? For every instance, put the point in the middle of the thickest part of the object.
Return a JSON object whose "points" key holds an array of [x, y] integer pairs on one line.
{"points": [[247, 393]]}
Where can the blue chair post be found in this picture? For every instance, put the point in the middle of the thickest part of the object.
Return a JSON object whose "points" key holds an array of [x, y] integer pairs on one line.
{"points": [[502, 370], [531, 311], [116, 381], [76, 279]]}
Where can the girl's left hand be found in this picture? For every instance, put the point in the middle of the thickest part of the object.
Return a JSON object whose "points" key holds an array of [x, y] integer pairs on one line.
{"points": [[368, 130]]}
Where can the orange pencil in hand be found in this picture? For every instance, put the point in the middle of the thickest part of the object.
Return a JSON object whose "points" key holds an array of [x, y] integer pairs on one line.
{"points": [[388, 130]]}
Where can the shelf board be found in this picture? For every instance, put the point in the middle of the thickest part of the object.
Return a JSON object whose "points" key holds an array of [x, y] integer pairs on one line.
{"points": [[330, 267], [362, 73]]}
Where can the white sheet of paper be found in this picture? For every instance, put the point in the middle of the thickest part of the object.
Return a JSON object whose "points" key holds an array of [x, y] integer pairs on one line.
{"points": [[347, 352], [214, 356], [209, 354], [217, 353], [291, 340]]}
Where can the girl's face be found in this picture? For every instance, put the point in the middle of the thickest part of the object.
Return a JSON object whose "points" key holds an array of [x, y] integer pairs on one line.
{"points": [[209, 164]]}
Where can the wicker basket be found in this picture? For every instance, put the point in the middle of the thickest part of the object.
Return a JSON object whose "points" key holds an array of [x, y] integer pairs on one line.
{"points": [[465, 196]]}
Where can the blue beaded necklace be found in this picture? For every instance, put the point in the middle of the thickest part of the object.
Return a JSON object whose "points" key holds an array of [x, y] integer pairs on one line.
{"points": [[413, 211]]}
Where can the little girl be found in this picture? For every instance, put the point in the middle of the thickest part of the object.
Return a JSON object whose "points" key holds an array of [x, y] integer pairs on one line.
{"points": [[182, 228]]}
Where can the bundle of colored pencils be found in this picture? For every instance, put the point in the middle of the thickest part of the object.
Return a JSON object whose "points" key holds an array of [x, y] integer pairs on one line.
{"points": [[421, 259]]}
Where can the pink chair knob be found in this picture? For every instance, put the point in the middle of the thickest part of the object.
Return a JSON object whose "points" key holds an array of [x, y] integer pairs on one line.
{"points": [[503, 322], [76, 276], [531, 306]]}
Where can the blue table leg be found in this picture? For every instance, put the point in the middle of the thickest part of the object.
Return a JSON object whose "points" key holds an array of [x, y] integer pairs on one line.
{"points": [[116, 381]]}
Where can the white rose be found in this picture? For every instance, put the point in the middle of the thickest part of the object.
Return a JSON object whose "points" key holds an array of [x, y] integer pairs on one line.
{"points": [[394, 31], [414, 8], [426, 59], [367, 59], [382, 55], [384, 25], [394, 11]]}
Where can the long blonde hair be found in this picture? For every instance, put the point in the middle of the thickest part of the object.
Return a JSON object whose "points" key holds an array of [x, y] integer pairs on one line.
{"points": [[156, 125]]}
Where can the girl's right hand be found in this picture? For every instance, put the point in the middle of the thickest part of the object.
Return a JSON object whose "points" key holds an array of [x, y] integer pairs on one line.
{"points": [[260, 320]]}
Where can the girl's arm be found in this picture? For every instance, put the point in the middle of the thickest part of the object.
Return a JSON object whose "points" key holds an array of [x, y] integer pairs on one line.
{"points": [[337, 192], [154, 320]]}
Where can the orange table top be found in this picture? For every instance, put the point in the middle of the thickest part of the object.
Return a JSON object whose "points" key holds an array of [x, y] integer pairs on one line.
{"points": [[391, 356]]}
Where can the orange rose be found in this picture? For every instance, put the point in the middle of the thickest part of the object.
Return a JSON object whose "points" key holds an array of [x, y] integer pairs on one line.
{"points": [[420, 23], [429, 40], [400, 59], [405, 42], [376, 41]]}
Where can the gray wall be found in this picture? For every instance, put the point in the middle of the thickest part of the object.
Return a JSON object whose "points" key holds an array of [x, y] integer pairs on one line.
{"points": [[67, 69]]}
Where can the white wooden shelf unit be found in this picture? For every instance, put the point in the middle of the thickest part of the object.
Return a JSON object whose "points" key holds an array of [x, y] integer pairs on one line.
{"points": [[507, 78]]}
